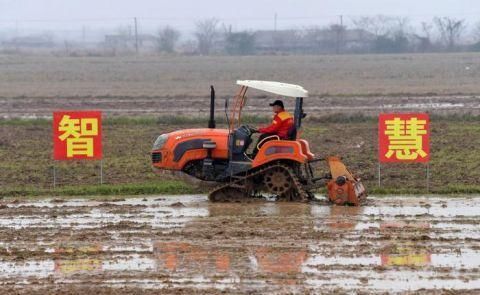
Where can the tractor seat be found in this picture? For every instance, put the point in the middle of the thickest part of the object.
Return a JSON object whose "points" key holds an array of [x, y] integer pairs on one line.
{"points": [[292, 133]]}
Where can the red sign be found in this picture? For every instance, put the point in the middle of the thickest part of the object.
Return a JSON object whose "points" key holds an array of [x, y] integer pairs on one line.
{"points": [[404, 138], [77, 135]]}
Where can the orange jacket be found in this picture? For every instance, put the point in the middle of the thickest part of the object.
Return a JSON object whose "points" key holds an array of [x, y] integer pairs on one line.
{"points": [[282, 122]]}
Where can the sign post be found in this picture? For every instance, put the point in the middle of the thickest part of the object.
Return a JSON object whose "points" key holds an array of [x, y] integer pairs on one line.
{"points": [[428, 177], [379, 174], [77, 135], [404, 138], [54, 176]]}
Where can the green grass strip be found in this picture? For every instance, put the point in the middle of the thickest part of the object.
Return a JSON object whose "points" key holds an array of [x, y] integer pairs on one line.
{"points": [[161, 187], [172, 187]]}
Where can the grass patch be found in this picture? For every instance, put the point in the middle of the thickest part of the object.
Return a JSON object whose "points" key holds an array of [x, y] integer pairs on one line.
{"points": [[25, 121], [165, 187], [458, 189], [179, 188], [201, 121]]}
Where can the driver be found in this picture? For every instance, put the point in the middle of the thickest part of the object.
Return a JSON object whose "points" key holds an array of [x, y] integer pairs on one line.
{"points": [[282, 123]]}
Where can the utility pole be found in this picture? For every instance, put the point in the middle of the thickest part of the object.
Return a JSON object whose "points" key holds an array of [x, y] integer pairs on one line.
{"points": [[84, 33], [340, 38], [136, 35], [275, 22]]}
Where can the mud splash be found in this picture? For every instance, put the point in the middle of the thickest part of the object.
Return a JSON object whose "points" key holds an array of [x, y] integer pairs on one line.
{"points": [[394, 244]]}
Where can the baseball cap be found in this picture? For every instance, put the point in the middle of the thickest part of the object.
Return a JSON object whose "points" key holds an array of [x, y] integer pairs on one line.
{"points": [[277, 103]]}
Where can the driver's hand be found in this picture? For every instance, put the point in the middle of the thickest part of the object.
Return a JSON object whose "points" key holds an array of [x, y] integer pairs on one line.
{"points": [[253, 130]]}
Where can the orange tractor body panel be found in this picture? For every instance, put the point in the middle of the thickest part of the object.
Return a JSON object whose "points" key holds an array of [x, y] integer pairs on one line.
{"points": [[275, 150], [306, 149], [169, 162], [296, 150]]}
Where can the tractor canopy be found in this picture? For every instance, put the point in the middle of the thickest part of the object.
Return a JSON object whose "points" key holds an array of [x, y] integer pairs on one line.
{"points": [[279, 88]]}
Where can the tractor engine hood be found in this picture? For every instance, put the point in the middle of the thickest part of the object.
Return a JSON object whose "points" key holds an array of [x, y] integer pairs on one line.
{"points": [[175, 149]]}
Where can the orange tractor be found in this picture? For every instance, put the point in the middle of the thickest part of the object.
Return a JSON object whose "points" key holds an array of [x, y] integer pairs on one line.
{"points": [[283, 169]]}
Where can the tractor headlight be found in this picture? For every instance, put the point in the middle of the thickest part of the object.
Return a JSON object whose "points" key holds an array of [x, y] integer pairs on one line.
{"points": [[160, 142]]}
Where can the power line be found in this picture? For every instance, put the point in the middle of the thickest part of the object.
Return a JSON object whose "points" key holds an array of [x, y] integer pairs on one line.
{"points": [[316, 17], [62, 20]]}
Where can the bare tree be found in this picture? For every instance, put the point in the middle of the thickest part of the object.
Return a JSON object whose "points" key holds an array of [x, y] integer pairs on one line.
{"points": [[427, 30], [476, 32], [400, 26], [382, 25], [167, 39], [450, 30], [315, 36], [424, 39], [391, 33], [206, 32], [338, 34], [241, 43], [377, 25]]}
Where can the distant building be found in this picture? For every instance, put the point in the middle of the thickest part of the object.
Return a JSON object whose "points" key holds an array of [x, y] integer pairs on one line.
{"points": [[122, 41], [313, 40], [37, 41], [286, 41]]}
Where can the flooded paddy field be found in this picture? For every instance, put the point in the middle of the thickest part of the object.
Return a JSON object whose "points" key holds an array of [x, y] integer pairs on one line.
{"points": [[185, 244]]}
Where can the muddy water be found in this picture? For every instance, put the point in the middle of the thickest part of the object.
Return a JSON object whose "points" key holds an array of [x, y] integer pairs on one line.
{"points": [[184, 244]]}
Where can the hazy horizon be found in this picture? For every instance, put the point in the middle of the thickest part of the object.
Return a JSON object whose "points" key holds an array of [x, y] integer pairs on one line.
{"points": [[71, 17]]}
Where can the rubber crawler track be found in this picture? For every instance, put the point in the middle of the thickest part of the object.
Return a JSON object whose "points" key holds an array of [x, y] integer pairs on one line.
{"points": [[238, 184]]}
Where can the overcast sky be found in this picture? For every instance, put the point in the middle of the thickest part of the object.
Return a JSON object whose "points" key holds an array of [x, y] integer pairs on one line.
{"points": [[242, 14]]}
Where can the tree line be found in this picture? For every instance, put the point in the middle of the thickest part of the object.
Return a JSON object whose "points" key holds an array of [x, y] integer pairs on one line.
{"points": [[372, 34]]}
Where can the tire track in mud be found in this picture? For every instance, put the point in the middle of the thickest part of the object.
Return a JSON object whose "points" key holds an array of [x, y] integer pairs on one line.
{"points": [[184, 244]]}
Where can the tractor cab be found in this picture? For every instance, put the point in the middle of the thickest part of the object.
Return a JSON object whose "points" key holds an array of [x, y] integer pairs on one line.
{"points": [[271, 148]]}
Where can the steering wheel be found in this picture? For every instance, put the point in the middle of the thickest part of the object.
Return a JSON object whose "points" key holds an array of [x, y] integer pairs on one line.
{"points": [[249, 130], [252, 129]]}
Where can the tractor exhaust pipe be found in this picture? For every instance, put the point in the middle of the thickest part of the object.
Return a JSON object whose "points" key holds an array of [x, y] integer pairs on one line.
{"points": [[211, 122]]}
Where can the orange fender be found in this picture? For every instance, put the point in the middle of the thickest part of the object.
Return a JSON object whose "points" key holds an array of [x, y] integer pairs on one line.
{"points": [[275, 150]]}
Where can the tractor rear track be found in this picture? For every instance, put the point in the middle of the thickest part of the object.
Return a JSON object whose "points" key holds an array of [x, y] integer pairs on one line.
{"points": [[239, 188]]}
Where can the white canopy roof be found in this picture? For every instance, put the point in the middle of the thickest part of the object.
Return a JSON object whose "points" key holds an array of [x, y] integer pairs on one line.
{"points": [[276, 87]]}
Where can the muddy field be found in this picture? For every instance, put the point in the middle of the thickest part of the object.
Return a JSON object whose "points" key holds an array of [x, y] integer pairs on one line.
{"points": [[172, 76], [34, 86], [23, 107], [185, 244]]}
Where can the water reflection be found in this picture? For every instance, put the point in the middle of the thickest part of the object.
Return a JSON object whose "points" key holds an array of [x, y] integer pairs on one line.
{"points": [[68, 266], [74, 266], [400, 250], [343, 218], [259, 209], [271, 260], [190, 258]]}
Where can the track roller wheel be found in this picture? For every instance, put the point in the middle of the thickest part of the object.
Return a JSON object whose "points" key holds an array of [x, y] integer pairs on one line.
{"points": [[278, 181]]}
